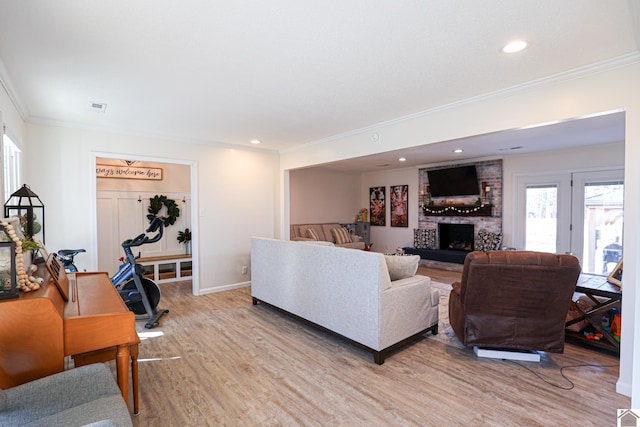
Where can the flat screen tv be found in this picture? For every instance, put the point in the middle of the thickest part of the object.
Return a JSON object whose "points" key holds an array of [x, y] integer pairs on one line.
{"points": [[458, 181]]}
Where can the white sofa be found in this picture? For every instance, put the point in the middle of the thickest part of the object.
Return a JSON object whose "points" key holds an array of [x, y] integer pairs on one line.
{"points": [[344, 291]]}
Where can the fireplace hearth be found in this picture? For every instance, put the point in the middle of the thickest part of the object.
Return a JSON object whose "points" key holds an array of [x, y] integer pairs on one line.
{"points": [[459, 237]]}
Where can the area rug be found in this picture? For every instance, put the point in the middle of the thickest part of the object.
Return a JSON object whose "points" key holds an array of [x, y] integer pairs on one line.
{"points": [[445, 332]]}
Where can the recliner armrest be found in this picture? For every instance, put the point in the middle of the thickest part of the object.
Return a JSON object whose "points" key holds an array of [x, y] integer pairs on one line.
{"points": [[457, 287]]}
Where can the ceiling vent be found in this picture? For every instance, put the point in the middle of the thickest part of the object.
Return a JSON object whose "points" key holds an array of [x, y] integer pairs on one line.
{"points": [[97, 107]]}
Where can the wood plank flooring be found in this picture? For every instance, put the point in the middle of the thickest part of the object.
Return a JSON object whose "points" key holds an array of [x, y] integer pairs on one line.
{"points": [[217, 360]]}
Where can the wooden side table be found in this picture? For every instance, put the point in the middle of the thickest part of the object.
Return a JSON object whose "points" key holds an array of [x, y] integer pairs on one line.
{"points": [[609, 297]]}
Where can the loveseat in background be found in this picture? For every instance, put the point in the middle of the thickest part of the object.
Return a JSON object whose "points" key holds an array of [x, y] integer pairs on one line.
{"points": [[300, 232], [349, 293]]}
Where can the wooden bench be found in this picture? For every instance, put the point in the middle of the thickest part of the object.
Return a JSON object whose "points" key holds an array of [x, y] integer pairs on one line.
{"points": [[167, 268]]}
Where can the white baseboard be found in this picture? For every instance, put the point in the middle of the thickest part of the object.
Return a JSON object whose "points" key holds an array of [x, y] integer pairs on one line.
{"points": [[223, 288], [492, 353]]}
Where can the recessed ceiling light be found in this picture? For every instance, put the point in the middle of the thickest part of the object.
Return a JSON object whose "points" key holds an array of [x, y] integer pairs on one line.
{"points": [[514, 46], [402, 159], [458, 150], [255, 141]]}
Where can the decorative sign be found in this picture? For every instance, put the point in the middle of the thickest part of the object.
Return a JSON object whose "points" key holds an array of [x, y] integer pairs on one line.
{"points": [[128, 172]]}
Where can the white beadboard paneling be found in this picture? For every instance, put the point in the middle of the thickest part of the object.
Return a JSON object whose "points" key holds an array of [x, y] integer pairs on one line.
{"points": [[122, 215]]}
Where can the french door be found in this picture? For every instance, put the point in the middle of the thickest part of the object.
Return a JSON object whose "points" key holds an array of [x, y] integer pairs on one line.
{"points": [[579, 213]]}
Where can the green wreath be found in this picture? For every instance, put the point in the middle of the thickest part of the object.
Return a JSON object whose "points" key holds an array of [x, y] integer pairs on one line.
{"points": [[156, 204]]}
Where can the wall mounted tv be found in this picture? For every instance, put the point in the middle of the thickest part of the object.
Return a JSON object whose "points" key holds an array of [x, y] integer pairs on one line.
{"points": [[457, 181]]}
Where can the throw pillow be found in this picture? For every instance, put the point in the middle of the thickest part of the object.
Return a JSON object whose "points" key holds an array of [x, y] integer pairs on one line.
{"points": [[424, 238], [341, 235], [402, 267], [488, 241], [311, 233]]}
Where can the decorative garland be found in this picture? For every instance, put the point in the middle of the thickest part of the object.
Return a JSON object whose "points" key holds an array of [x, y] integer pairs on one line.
{"points": [[156, 204], [454, 209]]}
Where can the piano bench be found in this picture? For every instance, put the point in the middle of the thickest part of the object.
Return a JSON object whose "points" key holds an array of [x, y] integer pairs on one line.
{"points": [[76, 397]]}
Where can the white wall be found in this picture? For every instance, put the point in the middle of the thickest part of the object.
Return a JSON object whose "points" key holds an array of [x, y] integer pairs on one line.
{"points": [[585, 92], [321, 195], [235, 194]]}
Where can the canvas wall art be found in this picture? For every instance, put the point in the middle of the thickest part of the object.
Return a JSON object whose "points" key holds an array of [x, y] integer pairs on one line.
{"points": [[377, 199], [399, 205]]}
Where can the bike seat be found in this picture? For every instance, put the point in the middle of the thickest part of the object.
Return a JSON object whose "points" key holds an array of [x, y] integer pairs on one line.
{"points": [[67, 252]]}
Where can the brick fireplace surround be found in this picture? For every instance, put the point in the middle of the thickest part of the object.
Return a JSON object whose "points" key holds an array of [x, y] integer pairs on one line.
{"points": [[488, 171]]}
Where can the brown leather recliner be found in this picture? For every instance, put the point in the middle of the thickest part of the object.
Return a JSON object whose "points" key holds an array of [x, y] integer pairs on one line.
{"points": [[513, 300]]}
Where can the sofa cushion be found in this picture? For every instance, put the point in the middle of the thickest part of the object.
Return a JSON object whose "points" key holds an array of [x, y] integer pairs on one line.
{"points": [[341, 235], [424, 238], [487, 241], [317, 228], [402, 266], [326, 229], [311, 233]]}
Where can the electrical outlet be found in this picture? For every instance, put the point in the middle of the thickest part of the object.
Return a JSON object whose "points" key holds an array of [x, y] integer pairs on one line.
{"points": [[244, 269]]}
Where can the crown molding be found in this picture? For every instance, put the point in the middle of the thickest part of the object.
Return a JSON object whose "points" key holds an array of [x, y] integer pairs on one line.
{"points": [[574, 74], [9, 88], [147, 135]]}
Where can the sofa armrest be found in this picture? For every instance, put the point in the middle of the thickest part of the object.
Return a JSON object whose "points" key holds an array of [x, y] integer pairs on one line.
{"points": [[406, 309]]}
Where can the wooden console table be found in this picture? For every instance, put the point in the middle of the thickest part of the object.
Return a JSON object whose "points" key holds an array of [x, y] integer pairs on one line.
{"points": [[605, 296]]}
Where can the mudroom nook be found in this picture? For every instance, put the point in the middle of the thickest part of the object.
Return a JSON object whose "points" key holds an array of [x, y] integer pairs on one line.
{"points": [[130, 194]]}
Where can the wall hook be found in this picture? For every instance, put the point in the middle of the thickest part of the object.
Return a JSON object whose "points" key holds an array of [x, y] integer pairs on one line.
{"points": [[139, 199]]}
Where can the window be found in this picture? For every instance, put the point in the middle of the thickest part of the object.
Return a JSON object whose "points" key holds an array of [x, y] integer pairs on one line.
{"points": [[11, 166], [575, 212], [541, 222]]}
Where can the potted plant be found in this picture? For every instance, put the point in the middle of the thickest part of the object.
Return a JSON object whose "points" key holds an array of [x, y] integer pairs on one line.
{"points": [[185, 237]]}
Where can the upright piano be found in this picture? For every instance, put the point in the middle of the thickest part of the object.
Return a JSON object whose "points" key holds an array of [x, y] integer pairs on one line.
{"points": [[83, 317]]}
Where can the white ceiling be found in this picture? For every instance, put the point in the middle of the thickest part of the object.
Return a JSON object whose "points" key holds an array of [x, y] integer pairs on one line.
{"points": [[287, 72]]}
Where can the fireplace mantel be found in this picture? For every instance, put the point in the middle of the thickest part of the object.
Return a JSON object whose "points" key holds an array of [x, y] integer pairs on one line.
{"points": [[457, 210]]}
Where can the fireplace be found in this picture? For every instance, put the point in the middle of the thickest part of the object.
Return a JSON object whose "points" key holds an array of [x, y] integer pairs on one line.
{"points": [[457, 237]]}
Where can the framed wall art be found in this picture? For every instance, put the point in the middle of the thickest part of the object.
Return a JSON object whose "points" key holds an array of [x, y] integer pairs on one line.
{"points": [[399, 205], [377, 199]]}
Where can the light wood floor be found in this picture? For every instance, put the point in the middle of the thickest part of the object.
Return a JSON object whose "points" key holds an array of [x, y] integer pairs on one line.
{"points": [[218, 360]]}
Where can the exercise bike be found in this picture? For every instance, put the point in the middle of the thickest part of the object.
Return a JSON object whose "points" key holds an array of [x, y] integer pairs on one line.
{"points": [[65, 256], [140, 294]]}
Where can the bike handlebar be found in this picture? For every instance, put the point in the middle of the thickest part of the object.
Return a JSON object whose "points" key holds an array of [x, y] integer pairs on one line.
{"points": [[156, 225]]}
